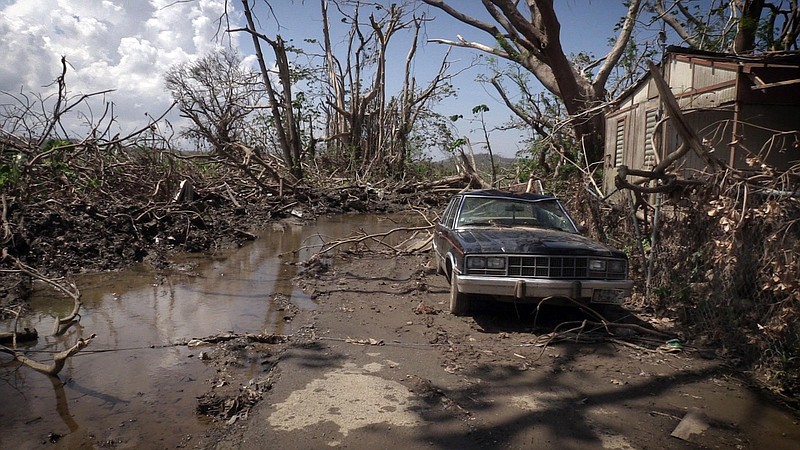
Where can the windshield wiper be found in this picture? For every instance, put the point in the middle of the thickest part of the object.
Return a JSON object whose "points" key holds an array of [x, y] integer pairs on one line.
{"points": [[553, 227], [484, 223]]}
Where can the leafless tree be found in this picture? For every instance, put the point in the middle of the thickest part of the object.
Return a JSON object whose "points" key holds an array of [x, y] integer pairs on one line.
{"points": [[280, 100], [222, 100], [363, 118], [740, 26]]}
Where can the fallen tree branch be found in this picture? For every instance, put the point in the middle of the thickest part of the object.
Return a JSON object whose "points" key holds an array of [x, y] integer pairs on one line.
{"points": [[328, 246], [61, 324], [680, 123], [260, 338], [602, 323], [58, 360]]}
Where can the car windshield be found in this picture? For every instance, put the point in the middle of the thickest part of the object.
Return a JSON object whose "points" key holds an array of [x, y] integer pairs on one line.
{"points": [[491, 211]]}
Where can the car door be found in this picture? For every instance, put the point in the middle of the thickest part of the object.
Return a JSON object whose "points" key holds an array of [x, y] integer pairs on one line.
{"points": [[442, 239]]}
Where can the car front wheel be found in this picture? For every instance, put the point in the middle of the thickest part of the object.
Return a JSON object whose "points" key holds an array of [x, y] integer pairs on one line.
{"points": [[459, 301]]}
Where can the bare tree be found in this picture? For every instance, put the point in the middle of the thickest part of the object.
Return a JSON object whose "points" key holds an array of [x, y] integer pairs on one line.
{"points": [[217, 95], [740, 26], [529, 35], [280, 102], [411, 102], [364, 120], [221, 99]]}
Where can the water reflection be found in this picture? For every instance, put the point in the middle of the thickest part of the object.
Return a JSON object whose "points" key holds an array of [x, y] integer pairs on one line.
{"points": [[132, 386], [62, 407]]}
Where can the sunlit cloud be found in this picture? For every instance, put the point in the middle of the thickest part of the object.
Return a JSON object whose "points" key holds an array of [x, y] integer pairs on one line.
{"points": [[124, 46]]}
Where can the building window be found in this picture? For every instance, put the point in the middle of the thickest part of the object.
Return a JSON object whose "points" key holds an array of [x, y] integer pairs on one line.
{"points": [[619, 144], [651, 119]]}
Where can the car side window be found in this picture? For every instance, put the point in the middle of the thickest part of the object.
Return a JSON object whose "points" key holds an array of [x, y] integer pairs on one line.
{"points": [[450, 213], [474, 209], [551, 215]]}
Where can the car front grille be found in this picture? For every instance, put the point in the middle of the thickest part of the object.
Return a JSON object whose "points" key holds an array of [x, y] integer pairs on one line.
{"points": [[554, 267]]}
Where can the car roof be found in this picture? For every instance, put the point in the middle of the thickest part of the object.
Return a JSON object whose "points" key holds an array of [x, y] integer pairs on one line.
{"points": [[507, 194]]}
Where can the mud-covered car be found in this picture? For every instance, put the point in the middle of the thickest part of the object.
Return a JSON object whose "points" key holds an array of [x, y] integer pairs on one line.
{"points": [[523, 248]]}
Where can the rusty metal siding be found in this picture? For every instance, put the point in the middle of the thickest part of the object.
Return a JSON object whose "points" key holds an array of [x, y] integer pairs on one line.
{"points": [[680, 77], [709, 99], [711, 75]]}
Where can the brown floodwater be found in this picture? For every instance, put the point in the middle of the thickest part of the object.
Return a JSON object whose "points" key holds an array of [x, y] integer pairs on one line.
{"points": [[132, 388]]}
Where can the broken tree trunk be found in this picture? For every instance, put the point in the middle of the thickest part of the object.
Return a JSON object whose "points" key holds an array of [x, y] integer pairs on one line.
{"points": [[683, 128]]}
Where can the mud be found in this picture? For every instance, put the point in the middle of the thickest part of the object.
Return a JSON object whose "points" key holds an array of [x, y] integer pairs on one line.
{"points": [[379, 363], [370, 359], [154, 377]]}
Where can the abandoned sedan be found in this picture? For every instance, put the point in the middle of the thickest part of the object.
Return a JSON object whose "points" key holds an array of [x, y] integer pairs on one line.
{"points": [[523, 248]]}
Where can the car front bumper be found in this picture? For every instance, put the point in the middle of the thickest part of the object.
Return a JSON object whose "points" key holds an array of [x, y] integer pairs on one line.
{"points": [[534, 289]]}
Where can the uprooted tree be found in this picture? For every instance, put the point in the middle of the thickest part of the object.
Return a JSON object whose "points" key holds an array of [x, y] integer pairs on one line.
{"points": [[60, 325]]}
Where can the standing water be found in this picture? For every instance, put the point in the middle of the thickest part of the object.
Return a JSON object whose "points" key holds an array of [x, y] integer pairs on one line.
{"points": [[131, 388]]}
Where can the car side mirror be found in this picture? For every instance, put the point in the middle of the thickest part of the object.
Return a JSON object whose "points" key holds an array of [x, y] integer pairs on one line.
{"points": [[582, 229]]}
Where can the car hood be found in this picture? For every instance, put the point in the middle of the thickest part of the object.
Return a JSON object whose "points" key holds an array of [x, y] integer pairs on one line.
{"points": [[531, 240]]}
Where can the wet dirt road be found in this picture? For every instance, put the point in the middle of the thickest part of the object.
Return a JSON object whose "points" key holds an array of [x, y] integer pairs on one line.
{"points": [[361, 369], [133, 387], [366, 371]]}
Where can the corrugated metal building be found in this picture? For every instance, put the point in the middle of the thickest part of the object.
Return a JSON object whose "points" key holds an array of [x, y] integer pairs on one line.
{"points": [[747, 109]]}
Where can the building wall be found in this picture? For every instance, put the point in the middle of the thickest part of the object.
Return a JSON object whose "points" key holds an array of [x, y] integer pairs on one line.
{"points": [[706, 91], [716, 125], [772, 133]]}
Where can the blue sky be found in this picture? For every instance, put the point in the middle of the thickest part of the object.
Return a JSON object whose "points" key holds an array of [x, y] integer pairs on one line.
{"points": [[587, 26], [127, 45]]}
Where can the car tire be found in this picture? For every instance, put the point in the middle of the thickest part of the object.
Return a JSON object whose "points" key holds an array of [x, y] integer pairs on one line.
{"points": [[459, 302]]}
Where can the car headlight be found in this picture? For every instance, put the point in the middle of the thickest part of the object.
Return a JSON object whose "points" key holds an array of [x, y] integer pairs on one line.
{"points": [[597, 265], [476, 262], [616, 266], [486, 262], [496, 262]]}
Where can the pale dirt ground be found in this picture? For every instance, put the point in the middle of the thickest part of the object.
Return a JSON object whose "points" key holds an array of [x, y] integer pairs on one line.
{"points": [[365, 371]]}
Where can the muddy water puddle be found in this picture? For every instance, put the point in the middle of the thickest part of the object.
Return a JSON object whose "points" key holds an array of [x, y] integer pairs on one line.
{"points": [[132, 388]]}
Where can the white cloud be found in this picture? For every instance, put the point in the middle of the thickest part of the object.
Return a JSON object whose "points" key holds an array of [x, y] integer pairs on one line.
{"points": [[110, 44]]}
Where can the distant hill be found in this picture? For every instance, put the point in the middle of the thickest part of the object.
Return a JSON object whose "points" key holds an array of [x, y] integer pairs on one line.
{"points": [[484, 163]]}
